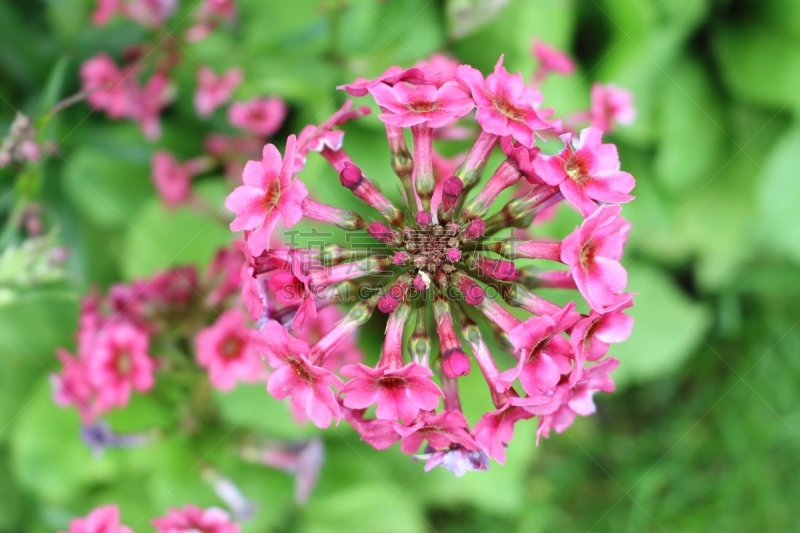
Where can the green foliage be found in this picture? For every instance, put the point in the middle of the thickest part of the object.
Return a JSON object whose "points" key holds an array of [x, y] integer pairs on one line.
{"points": [[702, 433]]}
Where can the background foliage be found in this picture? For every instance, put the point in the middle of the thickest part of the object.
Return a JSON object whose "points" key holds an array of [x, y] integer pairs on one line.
{"points": [[704, 433]]}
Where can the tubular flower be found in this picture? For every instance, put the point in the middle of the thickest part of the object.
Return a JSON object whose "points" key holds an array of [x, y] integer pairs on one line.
{"points": [[437, 266]]}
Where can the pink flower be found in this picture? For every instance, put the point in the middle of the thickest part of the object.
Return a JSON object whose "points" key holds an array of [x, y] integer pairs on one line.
{"points": [[322, 137], [579, 400], [592, 335], [496, 428], [308, 384], [593, 252], [505, 105], [119, 364], [408, 105], [106, 83], [213, 91], [439, 429], [225, 350], [544, 354], [104, 11], [390, 76], [172, 179], [586, 172], [398, 392], [552, 59], [148, 102], [269, 191], [611, 105], [192, 519], [104, 519], [438, 69], [259, 116]]}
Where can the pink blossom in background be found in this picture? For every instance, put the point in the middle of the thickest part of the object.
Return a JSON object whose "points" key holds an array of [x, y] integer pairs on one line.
{"points": [[586, 171], [259, 116], [551, 59], [208, 16], [438, 69], [398, 392], [593, 252], [148, 102], [107, 86], [270, 191], [151, 13], [104, 519], [172, 179], [119, 364], [611, 105], [224, 349], [408, 105], [193, 519], [105, 10], [213, 90], [505, 105], [322, 137]]}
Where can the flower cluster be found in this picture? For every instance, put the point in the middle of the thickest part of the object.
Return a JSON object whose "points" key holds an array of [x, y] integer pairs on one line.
{"points": [[190, 518], [117, 335], [440, 269], [141, 89]]}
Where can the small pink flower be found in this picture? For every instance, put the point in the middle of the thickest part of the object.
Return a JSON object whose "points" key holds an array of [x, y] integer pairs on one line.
{"points": [[119, 364], [505, 105], [593, 252], [224, 349], [149, 12], [591, 336], [192, 519], [586, 171], [148, 102], [611, 105], [259, 116], [308, 384], [270, 191], [545, 355], [496, 428], [438, 69], [105, 10], [322, 137], [72, 385], [172, 179], [398, 392], [292, 288], [213, 91], [579, 400], [439, 429], [104, 519], [106, 83], [552, 59], [408, 105], [390, 76]]}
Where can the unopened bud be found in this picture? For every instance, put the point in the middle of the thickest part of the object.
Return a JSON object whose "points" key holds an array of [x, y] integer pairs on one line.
{"points": [[455, 364]]}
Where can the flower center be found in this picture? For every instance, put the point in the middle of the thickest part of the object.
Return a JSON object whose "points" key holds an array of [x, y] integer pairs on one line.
{"points": [[422, 106], [502, 104], [428, 247], [123, 363], [391, 382], [576, 168], [587, 255], [300, 370], [230, 347], [272, 195]]}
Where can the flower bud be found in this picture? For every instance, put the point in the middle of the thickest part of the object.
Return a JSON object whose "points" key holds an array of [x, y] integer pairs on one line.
{"points": [[455, 364]]}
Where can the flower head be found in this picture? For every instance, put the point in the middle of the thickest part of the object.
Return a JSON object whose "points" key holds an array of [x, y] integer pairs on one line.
{"points": [[191, 519], [611, 105], [213, 91], [552, 59], [259, 116], [437, 265], [104, 519], [224, 349]]}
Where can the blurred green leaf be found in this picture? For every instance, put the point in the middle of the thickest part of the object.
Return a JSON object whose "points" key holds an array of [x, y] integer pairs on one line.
{"points": [[758, 64], [779, 197], [107, 187], [465, 16], [251, 407], [668, 327], [159, 239], [49, 458]]}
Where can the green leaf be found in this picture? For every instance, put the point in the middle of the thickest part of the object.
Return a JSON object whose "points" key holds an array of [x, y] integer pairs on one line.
{"points": [[691, 128], [668, 327], [466, 16], [159, 239], [49, 458], [107, 187], [779, 197], [54, 85], [758, 64], [251, 406]]}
